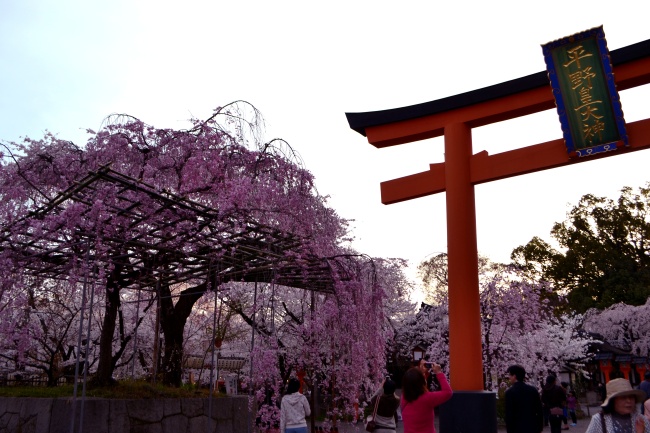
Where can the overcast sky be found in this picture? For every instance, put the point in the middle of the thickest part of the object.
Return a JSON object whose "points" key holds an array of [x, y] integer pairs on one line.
{"points": [[66, 65]]}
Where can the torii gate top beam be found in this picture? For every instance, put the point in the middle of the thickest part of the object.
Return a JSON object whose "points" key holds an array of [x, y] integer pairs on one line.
{"points": [[519, 97], [507, 100]]}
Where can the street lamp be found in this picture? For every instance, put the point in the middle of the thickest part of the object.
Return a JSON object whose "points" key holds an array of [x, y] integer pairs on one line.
{"points": [[418, 353]]}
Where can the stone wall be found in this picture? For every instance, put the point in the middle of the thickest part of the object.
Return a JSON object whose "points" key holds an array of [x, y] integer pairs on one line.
{"points": [[172, 415]]}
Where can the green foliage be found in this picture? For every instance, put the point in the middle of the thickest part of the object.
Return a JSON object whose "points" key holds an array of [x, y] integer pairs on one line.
{"points": [[604, 255]]}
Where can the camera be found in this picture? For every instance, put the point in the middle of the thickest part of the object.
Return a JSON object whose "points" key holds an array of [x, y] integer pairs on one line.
{"points": [[428, 365]]}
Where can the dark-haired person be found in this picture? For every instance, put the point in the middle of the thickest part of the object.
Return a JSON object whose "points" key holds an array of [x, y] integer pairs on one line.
{"points": [[418, 402], [619, 413], [554, 399], [565, 415], [523, 404], [293, 409], [386, 416]]}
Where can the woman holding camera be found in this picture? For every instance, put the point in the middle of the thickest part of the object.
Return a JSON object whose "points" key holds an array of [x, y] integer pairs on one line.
{"points": [[418, 402]]}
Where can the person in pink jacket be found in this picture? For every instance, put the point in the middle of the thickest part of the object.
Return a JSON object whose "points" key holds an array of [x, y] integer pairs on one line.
{"points": [[418, 403]]}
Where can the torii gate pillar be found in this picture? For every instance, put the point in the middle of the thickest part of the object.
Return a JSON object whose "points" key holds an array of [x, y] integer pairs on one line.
{"points": [[454, 117], [465, 350]]}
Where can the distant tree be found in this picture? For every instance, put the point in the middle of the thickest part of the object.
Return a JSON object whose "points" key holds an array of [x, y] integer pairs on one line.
{"points": [[43, 335], [434, 274], [604, 252], [519, 325]]}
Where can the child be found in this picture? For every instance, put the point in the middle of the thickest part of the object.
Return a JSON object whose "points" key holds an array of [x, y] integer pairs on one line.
{"points": [[571, 403]]}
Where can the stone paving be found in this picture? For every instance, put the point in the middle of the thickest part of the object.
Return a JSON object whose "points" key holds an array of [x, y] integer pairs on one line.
{"points": [[581, 426]]}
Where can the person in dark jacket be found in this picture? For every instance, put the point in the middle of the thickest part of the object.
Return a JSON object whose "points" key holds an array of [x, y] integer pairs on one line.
{"points": [[523, 404], [554, 399]]}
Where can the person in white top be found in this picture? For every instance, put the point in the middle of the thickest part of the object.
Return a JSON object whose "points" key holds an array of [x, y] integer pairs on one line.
{"points": [[293, 409]]}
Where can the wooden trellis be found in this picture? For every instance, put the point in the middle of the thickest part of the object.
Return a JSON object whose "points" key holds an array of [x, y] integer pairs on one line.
{"points": [[233, 247]]}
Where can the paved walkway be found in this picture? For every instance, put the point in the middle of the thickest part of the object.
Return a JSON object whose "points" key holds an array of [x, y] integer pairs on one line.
{"points": [[581, 426]]}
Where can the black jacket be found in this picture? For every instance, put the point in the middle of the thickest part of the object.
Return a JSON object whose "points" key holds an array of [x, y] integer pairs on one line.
{"points": [[553, 396], [523, 409]]}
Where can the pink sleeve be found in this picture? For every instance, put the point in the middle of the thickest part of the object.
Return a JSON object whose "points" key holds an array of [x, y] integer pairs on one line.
{"points": [[436, 398]]}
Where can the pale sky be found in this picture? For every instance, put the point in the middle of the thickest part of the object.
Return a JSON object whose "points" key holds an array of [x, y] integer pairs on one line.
{"points": [[66, 65]]}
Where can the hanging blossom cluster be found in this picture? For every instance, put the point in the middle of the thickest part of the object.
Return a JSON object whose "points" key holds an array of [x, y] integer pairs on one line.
{"points": [[335, 341], [622, 325], [267, 384], [207, 164]]}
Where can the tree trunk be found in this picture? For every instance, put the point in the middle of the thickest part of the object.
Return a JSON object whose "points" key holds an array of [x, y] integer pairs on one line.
{"points": [[104, 375], [172, 320], [172, 363]]}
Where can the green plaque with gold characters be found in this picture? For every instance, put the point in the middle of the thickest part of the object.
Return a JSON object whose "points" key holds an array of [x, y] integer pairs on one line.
{"points": [[580, 72]]}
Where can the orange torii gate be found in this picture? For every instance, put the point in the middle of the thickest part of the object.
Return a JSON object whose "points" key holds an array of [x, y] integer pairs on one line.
{"points": [[454, 117]]}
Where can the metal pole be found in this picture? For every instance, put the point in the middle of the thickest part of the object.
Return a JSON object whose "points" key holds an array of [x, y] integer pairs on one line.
{"points": [[214, 334], [250, 357], [83, 391], [313, 384], [81, 325], [135, 336], [156, 342]]}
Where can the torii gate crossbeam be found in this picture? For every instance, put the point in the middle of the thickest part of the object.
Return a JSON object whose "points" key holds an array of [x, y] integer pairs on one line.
{"points": [[454, 117]]}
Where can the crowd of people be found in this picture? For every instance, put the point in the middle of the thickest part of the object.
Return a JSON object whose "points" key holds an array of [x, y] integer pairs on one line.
{"points": [[425, 387], [526, 411]]}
